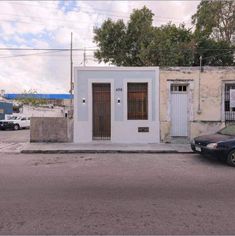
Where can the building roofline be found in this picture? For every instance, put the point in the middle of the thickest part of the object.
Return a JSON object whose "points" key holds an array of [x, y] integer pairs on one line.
{"points": [[45, 96], [116, 68]]}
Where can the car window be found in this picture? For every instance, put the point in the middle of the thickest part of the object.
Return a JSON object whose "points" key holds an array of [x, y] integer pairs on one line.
{"points": [[13, 118], [23, 119], [228, 130]]}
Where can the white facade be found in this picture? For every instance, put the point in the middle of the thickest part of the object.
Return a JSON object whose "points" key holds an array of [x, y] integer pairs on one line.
{"points": [[123, 130], [30, 111]]}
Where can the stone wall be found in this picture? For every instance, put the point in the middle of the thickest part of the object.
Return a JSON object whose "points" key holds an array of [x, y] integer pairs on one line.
{"points": [[51, 129], [210, 118]]}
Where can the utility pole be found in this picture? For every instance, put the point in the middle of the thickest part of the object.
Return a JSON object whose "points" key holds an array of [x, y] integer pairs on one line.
{"points": [[71, 69], [84, 57], [199, 87]]}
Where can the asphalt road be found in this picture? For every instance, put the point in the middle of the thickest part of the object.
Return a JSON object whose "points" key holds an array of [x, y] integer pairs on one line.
{"points": [[115, 194], [19, 136]]}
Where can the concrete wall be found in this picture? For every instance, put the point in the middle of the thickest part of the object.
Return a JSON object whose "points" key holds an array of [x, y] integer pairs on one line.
{"points": [[211, 116], [30, 111], [51, 129], [122, 130]]}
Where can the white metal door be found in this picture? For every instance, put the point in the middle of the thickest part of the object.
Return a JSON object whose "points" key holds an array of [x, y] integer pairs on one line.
{"points": [[179, 113]]}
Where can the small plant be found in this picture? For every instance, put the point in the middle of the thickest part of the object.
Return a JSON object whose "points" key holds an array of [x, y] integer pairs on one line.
{"points": [[29, 98]]}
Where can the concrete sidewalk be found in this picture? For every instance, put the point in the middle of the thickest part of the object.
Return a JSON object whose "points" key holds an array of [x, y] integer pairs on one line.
{"points": [[105, 147]]}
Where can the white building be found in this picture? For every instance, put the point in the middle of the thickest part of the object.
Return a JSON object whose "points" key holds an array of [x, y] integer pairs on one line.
{"points": [[40, 111], [117, 104]]}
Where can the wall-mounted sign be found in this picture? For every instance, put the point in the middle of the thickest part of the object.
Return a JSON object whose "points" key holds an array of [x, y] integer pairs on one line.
{"points": [[232, 98], [118, 89], [1, 111], [143, 129]]}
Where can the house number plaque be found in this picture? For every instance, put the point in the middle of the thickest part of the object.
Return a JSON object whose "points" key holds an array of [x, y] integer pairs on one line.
{"points": [[143, 129]]}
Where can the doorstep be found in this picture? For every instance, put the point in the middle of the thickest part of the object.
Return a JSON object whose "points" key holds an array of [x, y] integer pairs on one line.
{"points": [[105, 147]]}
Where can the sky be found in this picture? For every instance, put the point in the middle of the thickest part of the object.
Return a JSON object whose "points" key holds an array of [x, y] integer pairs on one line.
{"points": [[48, 25]]}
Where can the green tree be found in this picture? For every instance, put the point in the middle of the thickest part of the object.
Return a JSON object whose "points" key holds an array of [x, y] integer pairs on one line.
{"points": [[111, 38], [215, 19], [139, 43], [27, 99], [122, 44], [214, 53], [139, 35], [172, 46]]}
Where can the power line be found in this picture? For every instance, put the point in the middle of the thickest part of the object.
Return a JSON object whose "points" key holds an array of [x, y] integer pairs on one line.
{"points": [[94, 49], [45, 49], [99, 12], [53, 24], [31, 54], [48, 51], [39, 23], [89, 12], [223, 54]]}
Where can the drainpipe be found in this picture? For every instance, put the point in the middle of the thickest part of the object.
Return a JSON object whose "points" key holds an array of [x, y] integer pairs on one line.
{"points": [[199, 88], [70, 113]]}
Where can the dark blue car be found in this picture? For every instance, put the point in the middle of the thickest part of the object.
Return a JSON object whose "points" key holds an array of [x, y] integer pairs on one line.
{"points": [[220, 144]]}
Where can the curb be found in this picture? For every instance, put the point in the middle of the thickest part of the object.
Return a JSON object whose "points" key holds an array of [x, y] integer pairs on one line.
{"points": [[104, 151]]}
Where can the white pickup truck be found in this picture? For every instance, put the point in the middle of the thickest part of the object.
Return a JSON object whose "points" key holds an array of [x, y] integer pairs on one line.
{"points": [[15, 123]]}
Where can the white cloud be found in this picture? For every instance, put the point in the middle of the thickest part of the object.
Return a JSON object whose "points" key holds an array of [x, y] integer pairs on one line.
{"points": [[41, 24]]}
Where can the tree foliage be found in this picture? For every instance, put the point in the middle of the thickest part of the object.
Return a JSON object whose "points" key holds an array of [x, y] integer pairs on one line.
{"points": [[27, 99], [215, 19], [122, 44], [214, 53], [171, 46], [139, 43]]}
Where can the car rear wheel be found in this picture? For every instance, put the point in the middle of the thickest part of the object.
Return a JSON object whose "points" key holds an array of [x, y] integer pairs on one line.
{"points": [[16, 127], [231, 158]]}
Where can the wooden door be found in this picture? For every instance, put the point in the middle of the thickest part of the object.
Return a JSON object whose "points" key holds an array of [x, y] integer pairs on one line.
{"points": [[101, 111]]}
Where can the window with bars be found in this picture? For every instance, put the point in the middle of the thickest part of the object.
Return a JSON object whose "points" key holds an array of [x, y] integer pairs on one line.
{"points": [[229, 111], [178, 88], [137, 96]]}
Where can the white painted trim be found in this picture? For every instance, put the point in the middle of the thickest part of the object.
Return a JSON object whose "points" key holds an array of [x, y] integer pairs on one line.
{"points": [[189, 93], [75, 100], [104, 68], [90, 105], [223, 82], [157, 103], [222, 101], [149, 82]]}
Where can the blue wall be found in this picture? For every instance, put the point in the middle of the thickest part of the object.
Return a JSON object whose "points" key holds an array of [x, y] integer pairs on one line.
{"points": [[38, 96], [5, 108]]}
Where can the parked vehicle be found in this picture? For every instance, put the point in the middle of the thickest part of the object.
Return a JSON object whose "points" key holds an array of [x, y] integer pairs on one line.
{"points": [[15, 123], [220, 144]]}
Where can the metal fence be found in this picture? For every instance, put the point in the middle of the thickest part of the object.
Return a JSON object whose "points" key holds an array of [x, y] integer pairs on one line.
{"points": [[229, 111]]}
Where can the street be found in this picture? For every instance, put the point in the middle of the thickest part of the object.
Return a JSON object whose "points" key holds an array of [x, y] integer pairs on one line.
{"points": [[13, 141], [11, 136], [115, 194]]}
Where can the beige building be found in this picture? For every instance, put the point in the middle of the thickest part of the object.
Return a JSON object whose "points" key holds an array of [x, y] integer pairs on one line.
{"points": [[194, 103], [148, 105]]}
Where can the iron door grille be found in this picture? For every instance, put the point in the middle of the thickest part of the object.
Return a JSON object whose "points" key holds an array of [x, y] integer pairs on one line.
{"points": [[229, 111], [101, 111]]}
